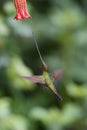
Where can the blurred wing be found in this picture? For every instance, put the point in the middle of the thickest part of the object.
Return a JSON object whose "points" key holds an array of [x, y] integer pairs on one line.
{"points": [[35, 79], [56, 75]]}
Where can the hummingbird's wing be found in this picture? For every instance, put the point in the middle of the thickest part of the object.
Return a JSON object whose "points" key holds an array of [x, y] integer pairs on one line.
{"points": [[56, 75], [35, 79]]}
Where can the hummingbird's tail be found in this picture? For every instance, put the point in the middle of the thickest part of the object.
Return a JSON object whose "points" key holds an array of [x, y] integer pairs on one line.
{"points": [[58, 96]]}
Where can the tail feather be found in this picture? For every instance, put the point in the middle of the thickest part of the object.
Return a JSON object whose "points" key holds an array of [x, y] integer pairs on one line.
{"points": [[57, 94], [58, 97]]}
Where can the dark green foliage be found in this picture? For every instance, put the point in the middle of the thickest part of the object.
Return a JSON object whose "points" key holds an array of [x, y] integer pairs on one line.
{"points": [[60, 27]]}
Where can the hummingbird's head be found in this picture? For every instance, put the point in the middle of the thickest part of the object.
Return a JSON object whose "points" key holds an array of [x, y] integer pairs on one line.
{"points": [[45, 66]]}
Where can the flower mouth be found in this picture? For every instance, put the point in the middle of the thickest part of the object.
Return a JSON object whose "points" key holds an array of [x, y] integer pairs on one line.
{"points": [[22, 15]]}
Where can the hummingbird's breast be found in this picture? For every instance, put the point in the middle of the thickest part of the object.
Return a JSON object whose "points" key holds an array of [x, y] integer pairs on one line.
{"points": [[47, 79]]}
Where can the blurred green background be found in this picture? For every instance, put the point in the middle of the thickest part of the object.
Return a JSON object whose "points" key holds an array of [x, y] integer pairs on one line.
{"points": [[60, 27]]}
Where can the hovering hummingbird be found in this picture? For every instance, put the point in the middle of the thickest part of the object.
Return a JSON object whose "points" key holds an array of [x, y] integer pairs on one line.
{"points": [[45, 79]]}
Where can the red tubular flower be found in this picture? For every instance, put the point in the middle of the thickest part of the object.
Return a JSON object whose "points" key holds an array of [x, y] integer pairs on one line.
{"points": [[21, 10]]}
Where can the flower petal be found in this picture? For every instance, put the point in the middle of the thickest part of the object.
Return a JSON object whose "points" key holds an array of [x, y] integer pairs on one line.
{"points": [[21, 10]]}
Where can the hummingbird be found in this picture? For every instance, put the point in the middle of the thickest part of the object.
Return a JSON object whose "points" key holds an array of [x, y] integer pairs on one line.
{"points": [[45, 79]]}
